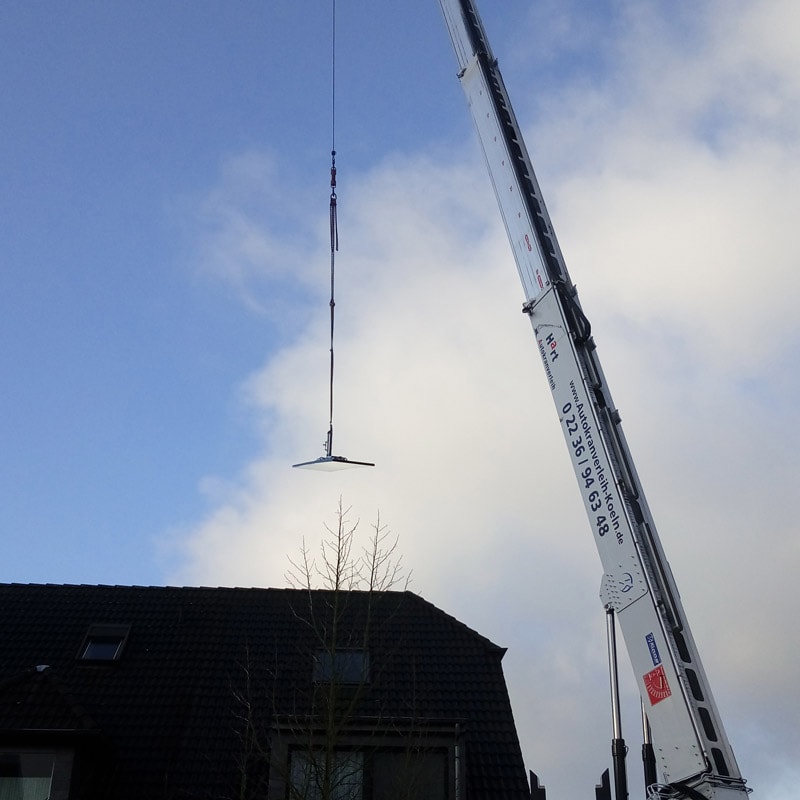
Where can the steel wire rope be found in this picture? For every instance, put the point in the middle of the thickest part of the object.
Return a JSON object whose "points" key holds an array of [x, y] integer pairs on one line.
{"points": [[334, 224]]}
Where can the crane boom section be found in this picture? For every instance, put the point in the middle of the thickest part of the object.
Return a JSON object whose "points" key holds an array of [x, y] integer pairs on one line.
{"points": [[692, 749]]}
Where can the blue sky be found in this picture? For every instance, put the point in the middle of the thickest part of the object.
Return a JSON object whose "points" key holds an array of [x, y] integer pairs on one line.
{"points": [[164, 279], [117, 121]]}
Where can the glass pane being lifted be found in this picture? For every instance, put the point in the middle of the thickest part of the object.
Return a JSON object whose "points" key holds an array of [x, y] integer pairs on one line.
{"points": [[332, 464]]}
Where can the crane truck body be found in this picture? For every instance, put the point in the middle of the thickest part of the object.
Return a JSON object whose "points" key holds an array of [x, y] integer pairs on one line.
{"points": [[694, 756]]}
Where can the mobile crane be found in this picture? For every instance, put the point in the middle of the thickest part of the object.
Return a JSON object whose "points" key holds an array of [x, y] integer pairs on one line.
{"points": [[693, 755]]}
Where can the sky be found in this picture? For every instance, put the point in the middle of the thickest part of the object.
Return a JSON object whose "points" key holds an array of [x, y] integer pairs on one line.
{"points": [[164, 287]]}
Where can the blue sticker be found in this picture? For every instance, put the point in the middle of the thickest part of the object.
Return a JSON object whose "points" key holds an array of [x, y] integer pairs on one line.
{"points": [[651, 645]]}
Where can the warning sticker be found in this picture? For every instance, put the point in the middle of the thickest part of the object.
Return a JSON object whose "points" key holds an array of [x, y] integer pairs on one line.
{"points": [[656, 684]]}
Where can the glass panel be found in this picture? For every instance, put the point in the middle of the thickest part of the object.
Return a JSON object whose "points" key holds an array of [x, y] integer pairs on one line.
{"points": [[342, 666], [348, 776], [307, 776], [25, 776], [102, 649], [302, 777], [24, 788]]}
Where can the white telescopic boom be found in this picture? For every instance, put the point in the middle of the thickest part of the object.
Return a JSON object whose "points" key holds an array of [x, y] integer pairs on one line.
{"points": [[693, 753]]}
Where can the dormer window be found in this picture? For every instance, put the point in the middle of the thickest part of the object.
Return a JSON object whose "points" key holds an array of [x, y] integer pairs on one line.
{"points": [[104, 643], [347, 667]]}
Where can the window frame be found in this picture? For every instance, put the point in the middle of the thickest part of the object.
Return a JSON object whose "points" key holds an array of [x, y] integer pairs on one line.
{"points": [[342, 666], [61, 761], [370, 736], [98, 641]]}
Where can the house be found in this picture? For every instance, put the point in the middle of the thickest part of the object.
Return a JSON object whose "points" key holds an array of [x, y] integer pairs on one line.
{"points": [[120, 692]]}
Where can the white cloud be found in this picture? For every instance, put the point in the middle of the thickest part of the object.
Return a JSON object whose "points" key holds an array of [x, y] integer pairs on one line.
{"points": [[243, 224], [682, 245]]}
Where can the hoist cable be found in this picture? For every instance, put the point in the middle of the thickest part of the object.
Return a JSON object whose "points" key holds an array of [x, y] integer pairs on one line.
{"points": [[330, 461], [334, 224], [333, 74]]}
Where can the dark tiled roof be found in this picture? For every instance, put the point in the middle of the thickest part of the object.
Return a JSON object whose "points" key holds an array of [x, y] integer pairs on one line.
{"points": [[172, 706]]}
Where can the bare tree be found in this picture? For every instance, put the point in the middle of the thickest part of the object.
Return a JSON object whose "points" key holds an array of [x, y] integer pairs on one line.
{"points": [[343, 580], [377, 568], [341, 662]]}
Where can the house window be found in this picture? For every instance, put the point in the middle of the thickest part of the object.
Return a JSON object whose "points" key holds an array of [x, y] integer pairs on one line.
{"points": [[386, 774], [35, 775], [341, 779], [341, 666], [103, 643], [370, 759]]}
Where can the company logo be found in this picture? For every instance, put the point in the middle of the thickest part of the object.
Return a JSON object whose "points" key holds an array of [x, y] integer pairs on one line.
{"points": [[655, 682], [651, 646], [552, 346]]}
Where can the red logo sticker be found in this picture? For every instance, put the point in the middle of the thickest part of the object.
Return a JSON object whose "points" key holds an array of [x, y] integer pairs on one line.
{"points": [[656, 684]]}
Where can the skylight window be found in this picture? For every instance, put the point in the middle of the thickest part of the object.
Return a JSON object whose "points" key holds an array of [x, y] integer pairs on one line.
{"points": [[104, 643]]}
